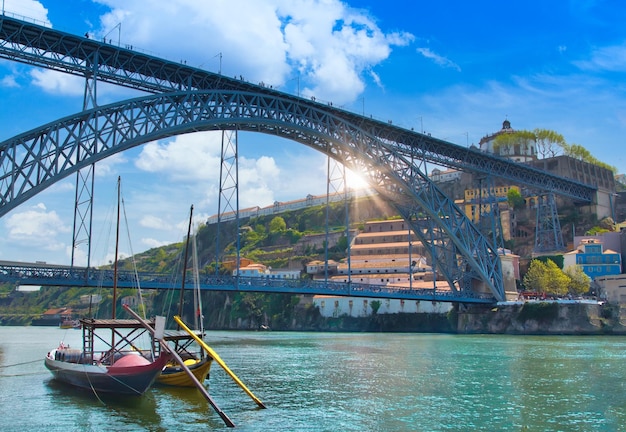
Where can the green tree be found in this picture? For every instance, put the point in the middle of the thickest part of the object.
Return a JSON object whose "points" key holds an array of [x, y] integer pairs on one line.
{"points": [[607, 223], [535, 278], [510, 143], [596, 230], [515, 199], [549, 143], [579, 152], [557, 282], [579, 281], [342, 243], [277, 225]]}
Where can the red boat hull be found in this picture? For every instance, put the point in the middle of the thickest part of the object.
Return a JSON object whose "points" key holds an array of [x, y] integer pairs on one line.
{"points": [[130, 379]]}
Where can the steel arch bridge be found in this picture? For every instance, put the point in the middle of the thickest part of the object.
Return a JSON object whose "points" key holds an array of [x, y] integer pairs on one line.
{"points": [[192, 99], [35, 160]]}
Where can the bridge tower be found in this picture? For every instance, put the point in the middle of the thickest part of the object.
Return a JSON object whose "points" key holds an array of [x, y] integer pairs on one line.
{"points": [[83, 200], [489, 222], [336, 185], [228, 200], [548, 236]]}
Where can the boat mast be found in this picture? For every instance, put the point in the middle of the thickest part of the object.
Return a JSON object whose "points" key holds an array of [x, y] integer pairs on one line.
{"points": [[117, 241], [196, 279], [182, 286]]}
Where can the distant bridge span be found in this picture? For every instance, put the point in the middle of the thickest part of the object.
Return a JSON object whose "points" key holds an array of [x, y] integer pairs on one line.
{"points": [[55, 275], [190, 99]]}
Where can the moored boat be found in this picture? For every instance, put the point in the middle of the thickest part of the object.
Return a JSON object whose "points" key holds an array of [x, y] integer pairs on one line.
{"points": [[120, 368], [194, 357], [199, 364], [70, 324], [110, 360]]}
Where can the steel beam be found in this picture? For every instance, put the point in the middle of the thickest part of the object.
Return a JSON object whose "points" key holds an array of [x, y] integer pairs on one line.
{"points": [[45, 47], [35, 160]]}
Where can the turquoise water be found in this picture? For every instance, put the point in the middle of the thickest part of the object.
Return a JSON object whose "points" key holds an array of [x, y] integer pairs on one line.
{"points": [[342, 382]]}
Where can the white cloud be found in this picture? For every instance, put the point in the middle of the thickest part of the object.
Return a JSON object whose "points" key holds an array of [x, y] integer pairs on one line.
{"points": [[110, 165], [302, 174], [150, 243], [438, 59], [257, 181], [56, 82], [154, 222], [31, 9], [609, 58], [326, 43], [9, 81], [80, 256], [37, 227], [186, 157], [195, 159], [376, 79]]}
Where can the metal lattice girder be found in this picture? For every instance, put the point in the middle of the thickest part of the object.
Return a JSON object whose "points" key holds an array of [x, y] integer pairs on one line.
{"points": [[228, 199], [548, 236], [49, 275], [85, 178], [35, 160], [45, 47]]}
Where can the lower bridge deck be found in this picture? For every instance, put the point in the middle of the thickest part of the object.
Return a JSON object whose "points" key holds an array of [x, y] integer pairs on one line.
{"points": [[57, 275]]}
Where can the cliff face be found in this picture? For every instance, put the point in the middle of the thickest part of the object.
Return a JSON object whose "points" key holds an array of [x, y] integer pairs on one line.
{"points": [[542, 318]]}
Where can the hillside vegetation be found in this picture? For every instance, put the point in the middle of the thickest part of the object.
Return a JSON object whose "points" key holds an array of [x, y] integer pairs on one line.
{"points": [[270, 240], [275, 240]]}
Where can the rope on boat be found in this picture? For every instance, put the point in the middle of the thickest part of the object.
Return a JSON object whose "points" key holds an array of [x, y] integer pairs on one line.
{"points": [[23, 363], [112, 377], [20, 375], [93, 389], [126, 385]]}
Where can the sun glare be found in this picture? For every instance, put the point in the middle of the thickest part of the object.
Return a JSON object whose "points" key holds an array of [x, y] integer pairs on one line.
{"points": [[356, 181]]}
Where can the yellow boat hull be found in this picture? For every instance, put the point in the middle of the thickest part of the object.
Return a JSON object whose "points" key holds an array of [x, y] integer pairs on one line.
{"points": [[173, 375]]}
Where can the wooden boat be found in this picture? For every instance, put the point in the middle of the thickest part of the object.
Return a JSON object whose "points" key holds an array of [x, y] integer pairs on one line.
{"points": [[70, 324], [197, 362], [120, 368], [195, 358], [118, 365]]}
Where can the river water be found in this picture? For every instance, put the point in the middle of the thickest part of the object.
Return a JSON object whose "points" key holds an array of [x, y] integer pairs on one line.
{"points": [[342, 382]]}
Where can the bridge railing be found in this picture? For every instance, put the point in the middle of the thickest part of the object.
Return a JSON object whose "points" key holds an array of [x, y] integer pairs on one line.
{"points": [[47, 275]]}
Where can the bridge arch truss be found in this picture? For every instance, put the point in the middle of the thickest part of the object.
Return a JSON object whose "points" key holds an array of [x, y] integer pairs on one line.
{"points": [[33, 161]]}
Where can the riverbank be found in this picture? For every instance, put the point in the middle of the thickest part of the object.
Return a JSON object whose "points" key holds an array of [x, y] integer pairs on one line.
{"points": [[514, 318], [543, 318]]}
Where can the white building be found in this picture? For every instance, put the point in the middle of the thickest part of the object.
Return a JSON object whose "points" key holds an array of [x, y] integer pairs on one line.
{"points": [[334, 307], [439, 176], [260, 270]]}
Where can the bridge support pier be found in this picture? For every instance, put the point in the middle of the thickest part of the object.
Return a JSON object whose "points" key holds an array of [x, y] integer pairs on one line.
{"points": [[548, 236]]}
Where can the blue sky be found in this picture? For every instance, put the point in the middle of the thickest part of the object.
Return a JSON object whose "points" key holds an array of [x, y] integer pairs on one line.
{"points": [[455, 69]]}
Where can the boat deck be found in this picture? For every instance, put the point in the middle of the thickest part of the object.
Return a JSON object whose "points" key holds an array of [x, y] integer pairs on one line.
{"points": [[113, 323]]}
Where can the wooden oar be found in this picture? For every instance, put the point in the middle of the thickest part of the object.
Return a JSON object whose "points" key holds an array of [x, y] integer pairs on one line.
{"points": [[182, 364], [219, 361]]}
